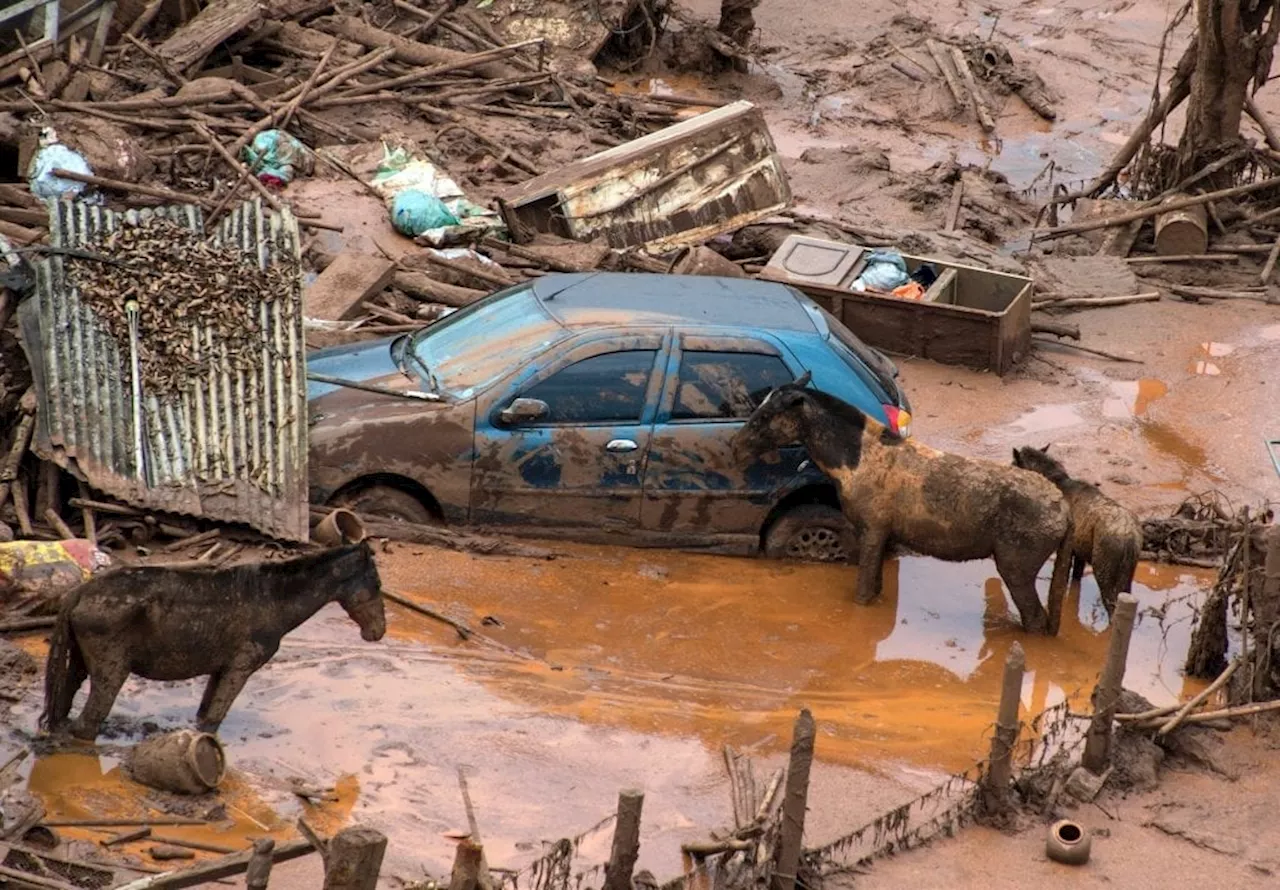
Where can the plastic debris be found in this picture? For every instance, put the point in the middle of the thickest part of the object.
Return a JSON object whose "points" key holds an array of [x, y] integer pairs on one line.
{"points": [[275, 157], [414, 212], [44, 565], [885, 270], [401, 172], [53, 155]]}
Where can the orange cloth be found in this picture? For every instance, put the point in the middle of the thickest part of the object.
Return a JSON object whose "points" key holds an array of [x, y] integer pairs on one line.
{"points": [[912, 290]]}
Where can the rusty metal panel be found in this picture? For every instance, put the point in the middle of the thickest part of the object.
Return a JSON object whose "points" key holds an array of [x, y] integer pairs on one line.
{"points": [[681, 185], [233, 445]]}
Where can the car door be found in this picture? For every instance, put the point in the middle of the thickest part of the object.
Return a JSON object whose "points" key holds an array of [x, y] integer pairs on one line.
{"points": [[583, 462], [693, 485]]}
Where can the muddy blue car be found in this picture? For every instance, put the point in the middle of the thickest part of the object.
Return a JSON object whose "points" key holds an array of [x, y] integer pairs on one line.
{"points": [[596, 406]]}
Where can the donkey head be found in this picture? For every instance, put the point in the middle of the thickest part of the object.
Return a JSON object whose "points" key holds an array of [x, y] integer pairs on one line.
{"points": [[1037, 460], [361, 593], [774, 423]]}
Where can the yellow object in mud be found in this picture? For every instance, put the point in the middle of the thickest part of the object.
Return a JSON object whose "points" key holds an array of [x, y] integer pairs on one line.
{"points": [[37, 564]]}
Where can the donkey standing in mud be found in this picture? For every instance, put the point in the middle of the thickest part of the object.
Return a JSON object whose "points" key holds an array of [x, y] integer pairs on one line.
{"points": [[1106, 535], [941, 505], [175, 624]]}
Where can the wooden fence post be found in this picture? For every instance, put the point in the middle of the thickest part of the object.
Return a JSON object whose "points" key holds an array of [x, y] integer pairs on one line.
{"points": [[259, 871], [795, 803], [466, 865], [1106, 695], [354, 859], [626, 841], [1005, 738]]}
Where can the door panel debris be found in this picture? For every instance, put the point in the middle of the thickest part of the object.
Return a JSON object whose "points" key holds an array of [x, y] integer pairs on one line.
{"points": [[680, 186], [967, 316], [229, 444]]}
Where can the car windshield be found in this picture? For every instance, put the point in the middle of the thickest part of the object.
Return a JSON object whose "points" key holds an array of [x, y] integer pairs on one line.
{"points": [[471, 348]]}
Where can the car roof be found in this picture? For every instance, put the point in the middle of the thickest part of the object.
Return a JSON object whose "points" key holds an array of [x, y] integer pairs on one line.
{"points": [[628, 298]]}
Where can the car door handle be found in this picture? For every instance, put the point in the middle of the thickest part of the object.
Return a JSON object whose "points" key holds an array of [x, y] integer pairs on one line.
{"points": [[620, 446]]}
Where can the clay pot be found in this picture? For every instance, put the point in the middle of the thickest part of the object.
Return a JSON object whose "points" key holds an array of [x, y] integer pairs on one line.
{"points": [[339, 527], [184, 762], [1068, 843]]}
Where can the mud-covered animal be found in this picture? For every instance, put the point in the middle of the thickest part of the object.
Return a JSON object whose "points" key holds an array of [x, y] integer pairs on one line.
{"points": [[175, 624], [897, 491], [1106, 535]]}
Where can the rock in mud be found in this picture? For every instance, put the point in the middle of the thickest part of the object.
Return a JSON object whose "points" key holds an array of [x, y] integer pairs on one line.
{"points": [[16, 667]]}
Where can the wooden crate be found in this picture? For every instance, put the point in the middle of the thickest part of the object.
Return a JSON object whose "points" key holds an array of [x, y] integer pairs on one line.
{"points": [[973, 317]]}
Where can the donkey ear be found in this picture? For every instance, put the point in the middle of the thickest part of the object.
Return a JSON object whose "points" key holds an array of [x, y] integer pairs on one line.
{"points": [[803, 380], [1017, 458], [1045, 449]]}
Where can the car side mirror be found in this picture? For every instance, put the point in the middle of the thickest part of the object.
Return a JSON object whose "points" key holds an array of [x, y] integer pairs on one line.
{"points": [[524, 411]]}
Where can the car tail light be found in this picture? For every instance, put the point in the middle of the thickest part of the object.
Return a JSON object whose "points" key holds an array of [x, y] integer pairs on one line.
{"points": [[899, 421]]}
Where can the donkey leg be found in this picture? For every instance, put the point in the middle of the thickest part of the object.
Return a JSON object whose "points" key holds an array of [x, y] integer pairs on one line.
{"points": [[229, 684], [1019, 573], [207, 699], [871, 564], [1078, 564], [103, 689]]}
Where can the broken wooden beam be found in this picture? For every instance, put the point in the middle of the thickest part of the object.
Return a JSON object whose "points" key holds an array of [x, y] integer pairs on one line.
{"points": [[226, 867], [411, 51], [979, 104], [191, 43]]}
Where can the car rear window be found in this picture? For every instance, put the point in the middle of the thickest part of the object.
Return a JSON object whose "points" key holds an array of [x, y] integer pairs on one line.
{"points": [[473, 347], [721, 385]]}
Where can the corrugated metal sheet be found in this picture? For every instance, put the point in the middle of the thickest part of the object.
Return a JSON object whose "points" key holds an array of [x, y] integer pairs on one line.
{"points": [[233, 446]]}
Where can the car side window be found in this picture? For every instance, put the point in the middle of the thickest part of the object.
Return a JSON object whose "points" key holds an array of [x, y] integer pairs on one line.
{"points": [[720, 385], [607, 388]]}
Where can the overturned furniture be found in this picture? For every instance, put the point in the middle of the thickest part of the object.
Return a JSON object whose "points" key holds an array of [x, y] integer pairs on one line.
{"points": [[169, 361], [713, 173], [968, 316]]}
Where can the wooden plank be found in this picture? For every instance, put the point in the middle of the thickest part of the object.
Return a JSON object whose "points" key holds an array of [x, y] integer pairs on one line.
{"points": [[191, 43], [345, 283]]}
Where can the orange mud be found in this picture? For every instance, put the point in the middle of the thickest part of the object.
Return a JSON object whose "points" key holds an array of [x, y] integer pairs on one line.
{"points": [[728, 650], [632, 668]]}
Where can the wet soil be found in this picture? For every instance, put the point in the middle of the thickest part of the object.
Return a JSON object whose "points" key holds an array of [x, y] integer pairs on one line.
{"points": [[621, 668]]}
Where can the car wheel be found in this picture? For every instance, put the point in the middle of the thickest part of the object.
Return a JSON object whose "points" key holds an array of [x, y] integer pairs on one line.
{"points": [[813, 532], [386, 502]]}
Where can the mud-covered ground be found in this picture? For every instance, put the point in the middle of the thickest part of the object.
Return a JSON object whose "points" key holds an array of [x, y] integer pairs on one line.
{"points": [[634, 668]]}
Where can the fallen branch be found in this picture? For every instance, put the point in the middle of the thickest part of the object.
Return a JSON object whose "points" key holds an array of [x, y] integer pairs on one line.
{"points": [[1210, 293], [1093, 302], [1227, 713], [1185, 258], [21, 625], [226, 867], [1186, 709], [979, 105], [1058, 329], [1148, 212], [1097, 352], [939, 59]]}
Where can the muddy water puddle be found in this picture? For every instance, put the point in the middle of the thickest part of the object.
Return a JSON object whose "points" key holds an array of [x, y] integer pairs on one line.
{"points": [[630, 668]]}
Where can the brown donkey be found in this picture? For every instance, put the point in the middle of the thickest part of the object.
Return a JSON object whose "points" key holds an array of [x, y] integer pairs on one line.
{"points": [[941, 505], [1106, 535]]}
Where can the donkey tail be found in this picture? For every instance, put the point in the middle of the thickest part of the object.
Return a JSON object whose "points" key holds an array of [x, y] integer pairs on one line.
{"points": [[1060, 578], [64, 665]]}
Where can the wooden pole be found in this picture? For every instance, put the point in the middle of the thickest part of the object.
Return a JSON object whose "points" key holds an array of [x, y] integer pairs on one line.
{"points": [[626, 841], [795, 803], [466, 866], [259, 871], [354, 859], [1005, 737], [1106, 695], [205, 872]]}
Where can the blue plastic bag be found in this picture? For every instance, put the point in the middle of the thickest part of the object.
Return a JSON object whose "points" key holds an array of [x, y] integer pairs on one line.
{"points": [[885, 270], [276, 155], [414, 211]]}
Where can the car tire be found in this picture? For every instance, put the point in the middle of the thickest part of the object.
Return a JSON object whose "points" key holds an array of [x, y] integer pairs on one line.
{"points": [[811, 532], [386, 502]]}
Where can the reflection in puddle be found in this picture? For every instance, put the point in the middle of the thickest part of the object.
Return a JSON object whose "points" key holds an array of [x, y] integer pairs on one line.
{"points": [[1047, 417], [1132, 398], [1202, 367]]}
